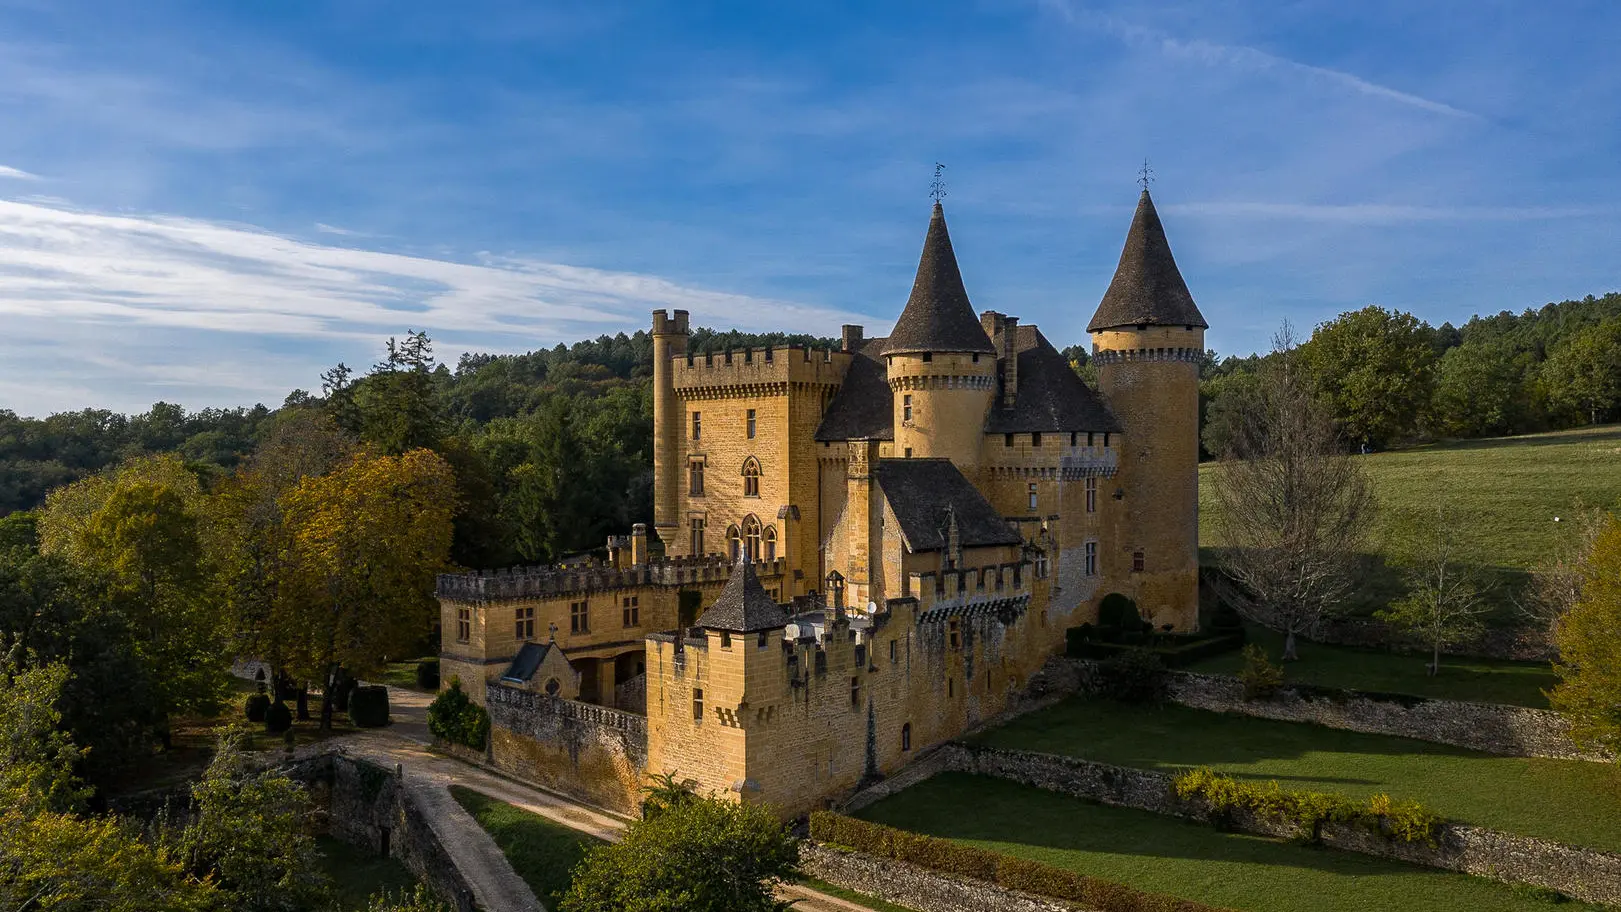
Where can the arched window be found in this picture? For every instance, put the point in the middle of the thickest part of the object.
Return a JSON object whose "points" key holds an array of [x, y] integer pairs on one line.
{"points": [[552, 687], [751, 536], [770, 543], [906, 737], [751, 477], [734, 542]]}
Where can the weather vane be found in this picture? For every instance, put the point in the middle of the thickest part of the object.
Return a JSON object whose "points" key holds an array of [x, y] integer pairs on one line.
{"points": [[937, 188], [1145, 176]]}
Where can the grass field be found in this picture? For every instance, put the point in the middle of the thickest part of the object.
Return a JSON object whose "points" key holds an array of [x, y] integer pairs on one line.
{"points": [[1503, 494], [357, 874], [1190, 860], [1480, 680], [1566, 800]]}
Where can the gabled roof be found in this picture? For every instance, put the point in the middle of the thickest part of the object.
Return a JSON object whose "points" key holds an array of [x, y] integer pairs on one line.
{"points": [[938, 316], [744, 606], [926, 493], [1050, 397], [525, 663], [864, 406], [1147, 288]]}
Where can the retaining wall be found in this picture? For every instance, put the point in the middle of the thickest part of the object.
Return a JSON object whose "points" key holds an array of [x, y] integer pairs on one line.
{"points": [[915, 887], [1586, 874], [593, 753]]}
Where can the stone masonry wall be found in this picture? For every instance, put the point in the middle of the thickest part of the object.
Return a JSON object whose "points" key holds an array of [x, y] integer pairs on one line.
{"points": [[1585, 874], [598, 755], [919, 888]]}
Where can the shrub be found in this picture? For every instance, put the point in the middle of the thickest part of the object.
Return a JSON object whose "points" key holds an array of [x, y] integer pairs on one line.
{"points": [[455, 718], [278, 718], [1119, 612], [428, 674], [368, 706], [1261, 677], [1133, 676], [1400, 821], [1006, 871], [256, 707]]}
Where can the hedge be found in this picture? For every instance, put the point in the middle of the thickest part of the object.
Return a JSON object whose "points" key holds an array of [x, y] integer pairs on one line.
{"points": [[455, 718], [1006, 871], [256, 707], [428, 674], [1398, 821], [368, 706]]}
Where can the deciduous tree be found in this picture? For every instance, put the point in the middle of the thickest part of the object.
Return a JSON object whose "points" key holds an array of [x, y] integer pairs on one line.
{"points": [[1293, 508], [1374, 370], [1589, 641], [1445, 597]]}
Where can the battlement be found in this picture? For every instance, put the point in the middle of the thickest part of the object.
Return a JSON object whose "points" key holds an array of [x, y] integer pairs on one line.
{"points": [[597, 576], [760, 367]]}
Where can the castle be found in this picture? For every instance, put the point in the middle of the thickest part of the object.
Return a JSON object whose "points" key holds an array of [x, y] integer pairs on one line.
{"points": [[865, 552]]}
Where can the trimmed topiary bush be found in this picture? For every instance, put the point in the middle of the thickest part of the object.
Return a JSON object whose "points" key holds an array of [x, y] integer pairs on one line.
{"points": [[368, 706], [428, 674], [256, 707], [278, 718], [455, 718]]}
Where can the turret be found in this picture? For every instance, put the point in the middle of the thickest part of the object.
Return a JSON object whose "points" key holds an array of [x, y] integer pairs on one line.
{"points": [[1148, 340], [942, 366], [669, 444]]}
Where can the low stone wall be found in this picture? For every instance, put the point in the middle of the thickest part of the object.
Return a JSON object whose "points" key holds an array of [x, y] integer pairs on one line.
{"points": [[1516, 731], [915, 887], [1586, 874], [593, 753]]}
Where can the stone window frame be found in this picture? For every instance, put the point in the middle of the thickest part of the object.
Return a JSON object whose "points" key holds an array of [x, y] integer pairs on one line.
{"points": [[697, 705], [695, 529], [750, 423], [906, 736], [631, 610], [579, 617], [697, 425], [464, 624], [906, 409], [1035, 496], [1139, 561], [695, 476], [1090, 550], [769, 537], [752, 474], [523, 622], [1091, 493], [734, 542], [753, 537]]}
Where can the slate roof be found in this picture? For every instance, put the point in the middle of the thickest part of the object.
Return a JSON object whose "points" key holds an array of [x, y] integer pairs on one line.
{"points": [[938, 316], [1147, 288], [525, 662], [744, 606], [864, 406], [1050, 397], [921, 490]]}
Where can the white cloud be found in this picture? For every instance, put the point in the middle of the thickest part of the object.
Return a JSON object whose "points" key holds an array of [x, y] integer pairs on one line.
{"points": [[204, 305], [324, 228], [16, 174]]}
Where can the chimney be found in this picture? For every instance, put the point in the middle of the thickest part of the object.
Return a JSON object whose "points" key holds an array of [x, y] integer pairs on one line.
{"points": [[616, 559], [991, 322], [638, 544], [1010, 361], [852, 337]]}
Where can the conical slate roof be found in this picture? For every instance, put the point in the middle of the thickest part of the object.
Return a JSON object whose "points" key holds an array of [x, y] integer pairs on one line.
{"points": [[743, 606], [938, 316], [1147, 287]]}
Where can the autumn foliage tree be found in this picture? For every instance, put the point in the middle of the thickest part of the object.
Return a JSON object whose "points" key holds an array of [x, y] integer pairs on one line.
{"points": [[363, 545], [1589, 639]]}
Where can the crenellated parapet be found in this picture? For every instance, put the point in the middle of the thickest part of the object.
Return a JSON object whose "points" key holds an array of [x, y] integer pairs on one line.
{"points": [[757, 371], [544, 582]]}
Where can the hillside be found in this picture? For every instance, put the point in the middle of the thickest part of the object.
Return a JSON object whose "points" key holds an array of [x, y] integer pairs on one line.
{"points": [[1505, 493]]}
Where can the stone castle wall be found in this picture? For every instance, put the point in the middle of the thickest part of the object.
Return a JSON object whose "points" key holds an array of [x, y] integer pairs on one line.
{"points": [[596, 754]]}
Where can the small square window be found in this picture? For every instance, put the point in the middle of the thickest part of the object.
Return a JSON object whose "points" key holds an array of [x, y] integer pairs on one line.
{"points": [[927, 357], [1007, 440], [906, 408], [1035, 440], [1137, 562]]}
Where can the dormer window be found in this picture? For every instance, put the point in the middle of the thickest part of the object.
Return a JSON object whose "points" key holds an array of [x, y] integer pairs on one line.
{"points": [[927, 357]]}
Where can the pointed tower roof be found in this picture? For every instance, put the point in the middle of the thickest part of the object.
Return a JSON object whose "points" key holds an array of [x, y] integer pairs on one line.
{"points": [[938, 316], [743, 606], [1147, 287]]}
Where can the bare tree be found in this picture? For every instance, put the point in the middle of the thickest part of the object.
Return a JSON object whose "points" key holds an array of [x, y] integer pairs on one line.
{"points": [[1556, 588], [1293, 506], [1446, 597]]}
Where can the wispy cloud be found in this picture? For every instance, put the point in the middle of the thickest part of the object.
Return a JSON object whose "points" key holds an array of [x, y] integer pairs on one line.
{"points": [[16, 174], [1244, 58], [324, 228]]}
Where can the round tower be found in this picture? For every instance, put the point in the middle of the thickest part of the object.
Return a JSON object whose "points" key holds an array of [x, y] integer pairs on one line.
{"points": [[941, 364], [669, 444], [1148, 340]]}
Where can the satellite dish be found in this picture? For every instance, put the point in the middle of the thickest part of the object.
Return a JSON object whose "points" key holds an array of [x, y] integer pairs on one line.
{"points": [[872, 607]]}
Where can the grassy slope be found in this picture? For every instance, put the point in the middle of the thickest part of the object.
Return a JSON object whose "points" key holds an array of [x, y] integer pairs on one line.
{"points": [[1566, 800], [1183, 859], [357, 874], [1503, 492], [1480, 680]]}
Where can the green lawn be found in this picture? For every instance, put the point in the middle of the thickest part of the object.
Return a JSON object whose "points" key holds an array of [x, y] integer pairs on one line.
{"points": [[542, 851], [1480, 680], [403, 674], [357, 874], [1504, 494], [1190, 860], [1565, 800], [860, 899]]}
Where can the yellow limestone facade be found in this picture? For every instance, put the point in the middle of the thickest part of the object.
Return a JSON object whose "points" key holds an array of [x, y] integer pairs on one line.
{"points": [[859, 553]]}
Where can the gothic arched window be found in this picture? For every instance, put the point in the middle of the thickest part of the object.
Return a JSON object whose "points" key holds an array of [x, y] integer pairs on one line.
{"points": [[770, 543], [734, 542], [751, 536], [751, 477]]}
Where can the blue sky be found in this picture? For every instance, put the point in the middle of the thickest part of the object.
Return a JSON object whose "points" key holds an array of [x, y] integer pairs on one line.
{"points": [[210, 202]]}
